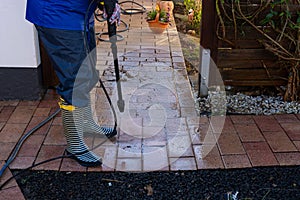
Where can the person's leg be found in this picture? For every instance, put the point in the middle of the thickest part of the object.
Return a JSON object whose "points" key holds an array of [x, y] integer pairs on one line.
{"points": [[72, 118], [74, 67], [90, 126], [77, 77]]}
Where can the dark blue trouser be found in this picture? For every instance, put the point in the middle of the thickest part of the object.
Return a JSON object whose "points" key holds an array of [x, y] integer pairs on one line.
{"points": [[74, 67]]}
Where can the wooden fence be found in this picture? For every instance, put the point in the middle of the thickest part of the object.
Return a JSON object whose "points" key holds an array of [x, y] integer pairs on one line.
{"points": [[241, 59]]}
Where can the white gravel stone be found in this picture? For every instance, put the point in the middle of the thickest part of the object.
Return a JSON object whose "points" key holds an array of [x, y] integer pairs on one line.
{"points": [[217, 103]]}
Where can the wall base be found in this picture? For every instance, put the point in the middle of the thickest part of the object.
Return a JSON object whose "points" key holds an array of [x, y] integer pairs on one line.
{"points": [[19, 83]]}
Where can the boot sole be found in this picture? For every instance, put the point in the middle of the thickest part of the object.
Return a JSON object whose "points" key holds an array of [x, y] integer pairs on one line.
{"points": [[109, 136], [83, 163]]}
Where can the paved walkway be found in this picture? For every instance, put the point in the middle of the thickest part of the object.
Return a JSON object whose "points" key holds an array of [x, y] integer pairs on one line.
{"points": [[159, 129]]}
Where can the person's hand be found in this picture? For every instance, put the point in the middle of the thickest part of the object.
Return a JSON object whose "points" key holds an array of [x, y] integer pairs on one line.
{"points": [[116, 16]]}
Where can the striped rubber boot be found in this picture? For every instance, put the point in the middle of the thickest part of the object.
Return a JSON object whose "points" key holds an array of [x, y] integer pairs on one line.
{"points": [[90, 126], [76, 147]]}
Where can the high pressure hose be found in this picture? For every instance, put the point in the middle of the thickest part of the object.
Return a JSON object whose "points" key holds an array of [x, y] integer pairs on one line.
{"points": [[88, 50], [22, 140]]}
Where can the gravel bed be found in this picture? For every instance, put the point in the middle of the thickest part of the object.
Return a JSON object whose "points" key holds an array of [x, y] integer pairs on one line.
{"points": [[217, 184], [220, 103]]}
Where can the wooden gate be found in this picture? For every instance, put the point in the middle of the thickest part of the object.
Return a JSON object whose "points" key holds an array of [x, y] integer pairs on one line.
{"points": [[242, 60]]}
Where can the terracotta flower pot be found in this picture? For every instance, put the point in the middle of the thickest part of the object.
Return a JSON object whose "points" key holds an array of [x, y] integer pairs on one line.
{"points": [[156, 26]]}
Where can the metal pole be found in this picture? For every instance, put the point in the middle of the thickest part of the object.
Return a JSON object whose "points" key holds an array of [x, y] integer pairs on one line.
{"points": [[204, 72], [112, 32]]}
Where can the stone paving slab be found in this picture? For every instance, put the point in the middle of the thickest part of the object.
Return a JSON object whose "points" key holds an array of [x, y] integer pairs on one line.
{"points": [[159, 129]]}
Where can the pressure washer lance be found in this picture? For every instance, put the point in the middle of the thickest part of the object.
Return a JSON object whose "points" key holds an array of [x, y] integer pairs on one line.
{"points": [[112, 33]]}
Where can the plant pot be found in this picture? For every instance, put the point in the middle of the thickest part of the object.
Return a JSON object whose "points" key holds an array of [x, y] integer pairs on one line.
{"points": [[157, 26]]}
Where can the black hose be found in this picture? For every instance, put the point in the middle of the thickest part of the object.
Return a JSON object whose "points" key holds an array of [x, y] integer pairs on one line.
{"points": [[119, 37], [46, 161], [88, 51], [28, 168], [128, 11], [22, 140]]}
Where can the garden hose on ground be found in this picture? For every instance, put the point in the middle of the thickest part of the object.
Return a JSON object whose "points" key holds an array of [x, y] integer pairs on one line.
{"points": [[22, 140], [130, 11], [43, 162]]}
